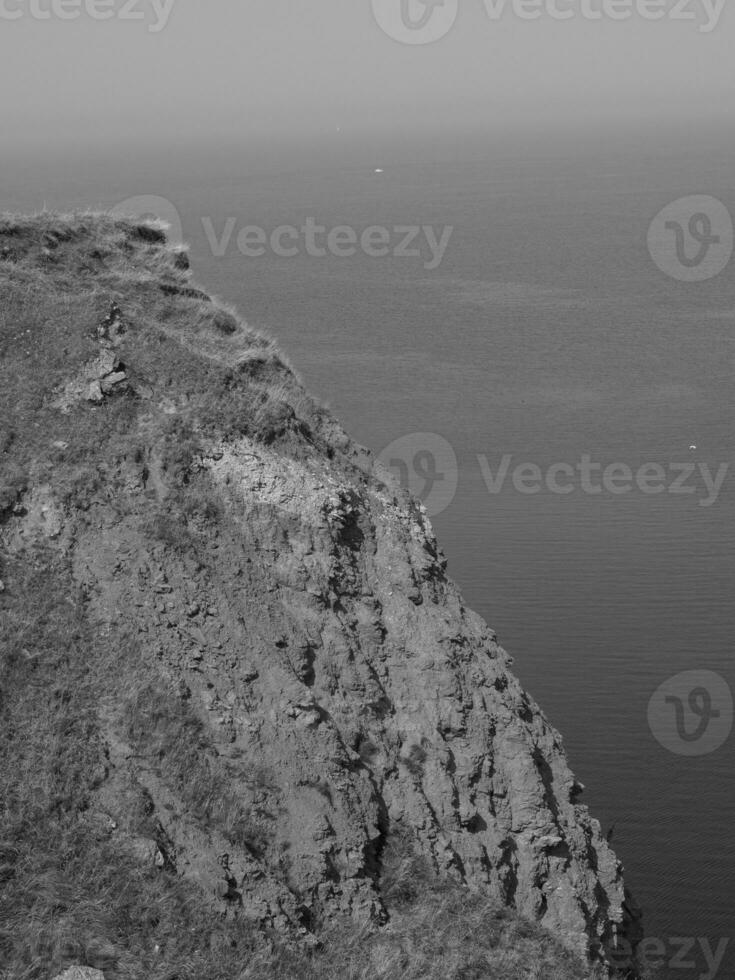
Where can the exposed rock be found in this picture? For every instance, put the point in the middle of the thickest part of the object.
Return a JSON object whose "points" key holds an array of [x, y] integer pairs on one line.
{"points": [[146, 851], [94, 392], [296, 604], [80, 973], [110, 380], [113, 325], [100, 377], [369, 711], [40, 519]]}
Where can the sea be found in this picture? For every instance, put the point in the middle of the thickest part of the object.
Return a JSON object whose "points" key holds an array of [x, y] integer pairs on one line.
{"points": [[549, 362]]}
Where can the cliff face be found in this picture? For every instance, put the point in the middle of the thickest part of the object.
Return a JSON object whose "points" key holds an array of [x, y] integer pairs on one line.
{"points": [[297, 681]]}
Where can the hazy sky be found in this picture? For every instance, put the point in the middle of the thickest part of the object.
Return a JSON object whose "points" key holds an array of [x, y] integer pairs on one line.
{"points": [[240, 68]]}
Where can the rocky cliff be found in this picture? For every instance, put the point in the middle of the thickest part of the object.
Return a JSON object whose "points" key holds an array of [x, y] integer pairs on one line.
{"points": [[292, 680]]}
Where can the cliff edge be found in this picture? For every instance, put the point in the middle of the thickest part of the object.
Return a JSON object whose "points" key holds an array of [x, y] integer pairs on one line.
{"points": [[255, 677]]}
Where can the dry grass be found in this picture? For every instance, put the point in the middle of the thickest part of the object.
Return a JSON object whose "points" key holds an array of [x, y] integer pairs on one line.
{"points": [[163, 728], [59, 276], [67, 893]]}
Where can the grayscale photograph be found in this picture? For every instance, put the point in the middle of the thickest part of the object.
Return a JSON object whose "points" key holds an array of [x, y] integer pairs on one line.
{"points": [[367, 490]]}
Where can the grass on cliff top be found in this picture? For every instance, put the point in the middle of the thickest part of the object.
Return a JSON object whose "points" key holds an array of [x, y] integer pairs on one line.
{"points": [[60, 275]]}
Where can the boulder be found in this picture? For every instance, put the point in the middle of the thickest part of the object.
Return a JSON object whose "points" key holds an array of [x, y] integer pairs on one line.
{"points": [[80, 973]]}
